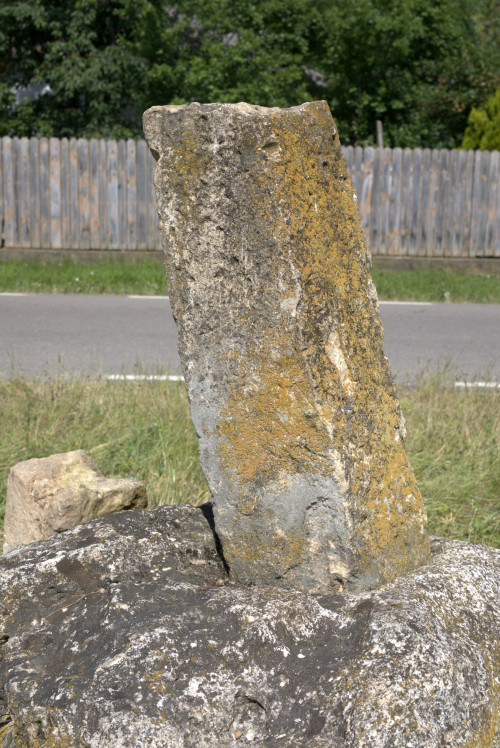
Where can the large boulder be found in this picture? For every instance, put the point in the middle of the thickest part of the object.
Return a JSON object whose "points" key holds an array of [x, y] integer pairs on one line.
{"points": [[281, 343], [127, 632], [47, 495]]}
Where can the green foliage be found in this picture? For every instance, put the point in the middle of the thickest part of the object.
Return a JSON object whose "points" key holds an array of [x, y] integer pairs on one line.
{"points": [[417, 65], [88, 57], [483, 129], [232, 50]]}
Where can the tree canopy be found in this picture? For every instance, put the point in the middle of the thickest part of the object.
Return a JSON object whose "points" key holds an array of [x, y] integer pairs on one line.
{"points": [[90, 67]]}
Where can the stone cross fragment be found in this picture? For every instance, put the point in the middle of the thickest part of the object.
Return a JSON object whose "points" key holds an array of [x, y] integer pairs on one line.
{"points": [[301, 436]]}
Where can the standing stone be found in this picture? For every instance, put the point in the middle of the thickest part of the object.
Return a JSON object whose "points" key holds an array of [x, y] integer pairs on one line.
{"points": [[301, 433]]}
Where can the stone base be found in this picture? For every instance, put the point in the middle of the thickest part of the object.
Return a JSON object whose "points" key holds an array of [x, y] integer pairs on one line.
{"points": [[126, 632]]}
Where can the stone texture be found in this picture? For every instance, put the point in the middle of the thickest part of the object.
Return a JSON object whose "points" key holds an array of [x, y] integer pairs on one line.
{"points": [[126, 632], [51, 494], [301, 434]]}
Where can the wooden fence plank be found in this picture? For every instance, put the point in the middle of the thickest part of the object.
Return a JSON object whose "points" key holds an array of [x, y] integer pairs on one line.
{"points": [[84, 192], [24, 193], [44, 163], [55, 193], [2, 203], [94, 166], [490, 207], [365, 193], [382, 212], [142, 240], [441, 196], [450, 204], [65, 196], [393, 241], [414, 204], [34, 167], [466, 222], [10, 230], [432, 203], [490, 227], [485, 181], [358, 172], [17, 189], [113, 208], [154, 239], [404, 211], [373, 235], [475, 197], [348, 155], [122, 195], [496, 250], [103, 194], [74, 194], [458, 246], [424, 217], [131, 195]]}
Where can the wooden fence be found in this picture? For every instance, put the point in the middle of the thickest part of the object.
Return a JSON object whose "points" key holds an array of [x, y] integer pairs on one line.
{"points": [[98, 194]]}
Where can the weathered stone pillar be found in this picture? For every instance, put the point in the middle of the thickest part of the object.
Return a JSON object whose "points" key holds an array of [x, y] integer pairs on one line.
{"points": [[301, 434]]}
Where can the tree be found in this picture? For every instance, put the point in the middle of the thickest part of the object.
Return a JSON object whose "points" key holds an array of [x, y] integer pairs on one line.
{"points": [[87, 56], [414, 64], [483, 130], [417, 65], [238, 50]]}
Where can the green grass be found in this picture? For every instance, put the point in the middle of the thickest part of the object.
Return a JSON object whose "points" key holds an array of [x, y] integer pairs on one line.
{"points": [[143, 430], [454, 446], [148, 277], [67, 276], [437, 284]]}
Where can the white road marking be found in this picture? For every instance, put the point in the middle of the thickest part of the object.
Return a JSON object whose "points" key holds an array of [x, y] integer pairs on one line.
{"points": [[145, 377], [148, 297], [484, 385], [6, 293]]}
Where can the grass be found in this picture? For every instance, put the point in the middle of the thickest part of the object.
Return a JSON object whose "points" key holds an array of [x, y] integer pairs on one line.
{"points": [[148, 277], [67, 276], [143, 430], [437, 284]]}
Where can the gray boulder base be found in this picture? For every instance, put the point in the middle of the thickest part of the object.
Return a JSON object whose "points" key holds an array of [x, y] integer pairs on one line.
{"points": [[301, 433], [126, 632], [47, 495]]}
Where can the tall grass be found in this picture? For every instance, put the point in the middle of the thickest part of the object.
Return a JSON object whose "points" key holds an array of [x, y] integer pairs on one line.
{"points": [[454, 445], [139, 429], [143, 430]]}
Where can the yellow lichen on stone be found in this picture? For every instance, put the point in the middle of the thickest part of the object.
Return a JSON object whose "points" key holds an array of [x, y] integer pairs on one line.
{"points": [[269, 424], [302, 407]]}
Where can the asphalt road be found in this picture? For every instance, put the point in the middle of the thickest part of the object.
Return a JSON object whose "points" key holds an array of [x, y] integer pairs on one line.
{"points": [[41, 334]]}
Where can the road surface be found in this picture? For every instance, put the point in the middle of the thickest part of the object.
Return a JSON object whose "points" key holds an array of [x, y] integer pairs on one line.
{"points": [[90, 335]]}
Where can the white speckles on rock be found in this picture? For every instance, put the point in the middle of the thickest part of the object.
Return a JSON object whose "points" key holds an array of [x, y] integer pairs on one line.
{"points": [[411, 665]]}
